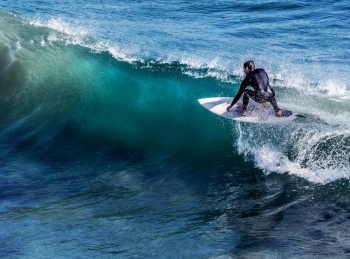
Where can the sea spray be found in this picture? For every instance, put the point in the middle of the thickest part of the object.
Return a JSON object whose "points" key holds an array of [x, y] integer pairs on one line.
{"points": [[314, 151]]}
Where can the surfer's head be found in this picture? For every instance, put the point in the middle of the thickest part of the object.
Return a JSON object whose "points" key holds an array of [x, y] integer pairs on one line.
{"points": [[248, 66]]}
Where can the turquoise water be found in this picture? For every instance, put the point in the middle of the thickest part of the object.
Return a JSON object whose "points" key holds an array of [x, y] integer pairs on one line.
{"points": [[105, 151]]}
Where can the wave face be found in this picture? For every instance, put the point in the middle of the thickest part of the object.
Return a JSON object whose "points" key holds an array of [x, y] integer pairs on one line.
{"points": [[58, 93], [57, 90], [102, 137]]}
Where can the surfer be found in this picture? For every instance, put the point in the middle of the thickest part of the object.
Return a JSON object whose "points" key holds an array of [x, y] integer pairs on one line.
{"points": [[262, 93]]}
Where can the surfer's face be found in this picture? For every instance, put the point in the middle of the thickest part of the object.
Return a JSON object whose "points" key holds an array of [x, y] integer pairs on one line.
{"points": [[246, 70]]}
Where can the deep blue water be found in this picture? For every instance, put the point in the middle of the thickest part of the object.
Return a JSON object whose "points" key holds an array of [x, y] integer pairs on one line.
{"points": [[105, 151]]}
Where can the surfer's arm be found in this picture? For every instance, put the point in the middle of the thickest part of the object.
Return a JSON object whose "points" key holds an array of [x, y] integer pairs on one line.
{"points": [[239, 94]]}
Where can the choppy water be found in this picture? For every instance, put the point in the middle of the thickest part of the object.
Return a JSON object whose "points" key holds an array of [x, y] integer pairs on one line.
{"points": [[105, 151]]}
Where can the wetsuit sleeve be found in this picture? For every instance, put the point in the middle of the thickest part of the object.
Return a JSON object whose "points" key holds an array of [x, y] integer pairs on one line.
{"points": [[244, 85], [267, 75]]}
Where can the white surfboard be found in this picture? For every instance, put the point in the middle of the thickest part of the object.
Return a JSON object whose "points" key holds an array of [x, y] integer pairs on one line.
{"points": [[256, 112]]}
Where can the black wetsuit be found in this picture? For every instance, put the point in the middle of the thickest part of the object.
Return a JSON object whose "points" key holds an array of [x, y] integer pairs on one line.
{"points": [[259, 80]]}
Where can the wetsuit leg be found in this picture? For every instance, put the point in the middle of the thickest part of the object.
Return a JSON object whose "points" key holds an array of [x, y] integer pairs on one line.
{"points": [[254, 95], [245, 102], [257, 98], [274, 104]]}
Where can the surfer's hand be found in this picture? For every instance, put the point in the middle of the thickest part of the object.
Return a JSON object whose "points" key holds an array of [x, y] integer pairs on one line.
{"points": [[228, 108]]}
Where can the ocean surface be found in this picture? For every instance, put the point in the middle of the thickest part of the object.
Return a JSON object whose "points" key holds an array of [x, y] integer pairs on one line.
{"points": [[106, 153]]}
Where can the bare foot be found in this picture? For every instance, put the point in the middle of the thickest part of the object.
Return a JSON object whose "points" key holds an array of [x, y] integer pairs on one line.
{"points": [[244, 113]]}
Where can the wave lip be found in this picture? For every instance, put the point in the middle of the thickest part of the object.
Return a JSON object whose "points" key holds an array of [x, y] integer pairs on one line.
{"points": [[70, 34], [318, 81]]}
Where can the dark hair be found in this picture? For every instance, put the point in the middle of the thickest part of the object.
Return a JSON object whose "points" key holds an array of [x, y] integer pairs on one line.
{"points": [[250, 65]]}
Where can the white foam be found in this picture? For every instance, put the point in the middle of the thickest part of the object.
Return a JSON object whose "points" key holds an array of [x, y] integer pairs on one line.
{"points": [[78, 35], [60, 26], [18, 45], [123, 55], [328, 88], [308, 164]]}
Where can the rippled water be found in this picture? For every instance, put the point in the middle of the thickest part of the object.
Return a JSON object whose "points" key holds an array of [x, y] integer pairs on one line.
{"points": [[105, 151]]}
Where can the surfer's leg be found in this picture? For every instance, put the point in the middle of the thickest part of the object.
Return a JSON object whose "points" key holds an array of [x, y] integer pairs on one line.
{"points": [[254, 95], [245, 103], [279, 112], [274, 104], [248, 94]]}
